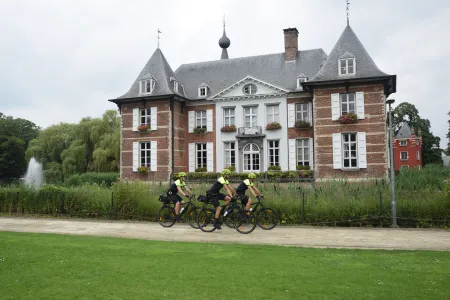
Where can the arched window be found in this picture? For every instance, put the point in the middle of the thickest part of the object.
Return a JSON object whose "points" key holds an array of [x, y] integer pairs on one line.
{"points": [[251, 158]]}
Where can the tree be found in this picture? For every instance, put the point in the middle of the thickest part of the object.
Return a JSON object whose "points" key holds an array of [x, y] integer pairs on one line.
{"points": [[448, 136], [407, 113]]}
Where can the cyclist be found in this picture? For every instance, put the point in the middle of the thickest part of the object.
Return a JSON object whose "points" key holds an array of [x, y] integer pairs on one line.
{"points": [[175, 188], [242, 188], [214, 193]]}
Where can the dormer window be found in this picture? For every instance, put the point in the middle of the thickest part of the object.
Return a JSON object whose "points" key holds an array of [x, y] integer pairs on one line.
{"points": [[175, 86], [202, 91], [146, 86], [347, 66], [300, 80], [249, 89]]}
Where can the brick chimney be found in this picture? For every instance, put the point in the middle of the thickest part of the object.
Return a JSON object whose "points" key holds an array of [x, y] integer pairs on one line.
{"points": [[290, 44]]}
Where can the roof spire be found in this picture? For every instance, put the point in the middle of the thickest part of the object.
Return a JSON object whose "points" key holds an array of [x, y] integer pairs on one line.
{"points": [[348, 13], [158, 36], [224, 42]]}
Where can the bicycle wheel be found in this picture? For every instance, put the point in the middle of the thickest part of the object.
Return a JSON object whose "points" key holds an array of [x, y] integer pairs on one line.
{"points": [[267, 218], [192, 217], [229, 218], [166, 216], [244, 221], [205, 219]]}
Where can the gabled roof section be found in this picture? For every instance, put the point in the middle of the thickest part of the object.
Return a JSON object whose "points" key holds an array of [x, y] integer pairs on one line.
{"points": [[348, 46], [271, 68], [159, 69], [404, 132]]}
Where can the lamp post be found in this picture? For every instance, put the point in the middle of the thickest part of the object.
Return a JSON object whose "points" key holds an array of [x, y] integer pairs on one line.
{"points": [[391, 156]]}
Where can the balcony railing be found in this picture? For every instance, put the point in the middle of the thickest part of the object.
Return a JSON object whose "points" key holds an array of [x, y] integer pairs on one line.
{"points": [[250, 131]]}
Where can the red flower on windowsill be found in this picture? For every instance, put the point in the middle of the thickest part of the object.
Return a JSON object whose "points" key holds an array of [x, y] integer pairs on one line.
{"points": [[273, 126], [231, 128], [348, 118], [143, 128]]}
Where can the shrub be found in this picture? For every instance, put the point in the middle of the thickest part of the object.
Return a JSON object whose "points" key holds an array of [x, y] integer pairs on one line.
{"points": [[302, 167], [302, 124], [200, 170], [348, 118], [274, 168], [143, 170], [143, 128], [273, 126], [106, 179], [231, 128], [231, 168], [198, 130]]}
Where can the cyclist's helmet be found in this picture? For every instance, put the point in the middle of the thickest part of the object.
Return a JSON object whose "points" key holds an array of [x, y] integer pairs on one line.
{"points": [[225, 172], [182, 174], [252, 175]]}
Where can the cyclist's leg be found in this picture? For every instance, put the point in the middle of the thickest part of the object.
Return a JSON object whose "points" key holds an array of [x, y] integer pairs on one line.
{"points": [[215, 202], [176, 200]]}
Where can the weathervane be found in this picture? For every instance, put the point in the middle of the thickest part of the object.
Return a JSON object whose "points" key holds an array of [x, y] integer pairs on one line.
{"points": [[158, 36], [348, 12]]}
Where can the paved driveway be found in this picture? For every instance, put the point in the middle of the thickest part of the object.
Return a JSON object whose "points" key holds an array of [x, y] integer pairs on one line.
{"points": [[319, 237]]}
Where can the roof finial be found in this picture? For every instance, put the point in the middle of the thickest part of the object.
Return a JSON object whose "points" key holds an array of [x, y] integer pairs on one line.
{"points": [[224, 42], [223, 21], [158, 36], [348, 13]]}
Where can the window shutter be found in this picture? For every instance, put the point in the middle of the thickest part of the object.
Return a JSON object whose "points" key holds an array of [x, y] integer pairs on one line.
{"points": [[135, 119], [209, 120], [335, 110], [292, 159], [210, 157], [337, 151], [153, 155], [310, 106], [291, 115], [191, 157], [135, 156], [311, 153], [191, 116], [360, 105], [154, 118], [362, 154]]}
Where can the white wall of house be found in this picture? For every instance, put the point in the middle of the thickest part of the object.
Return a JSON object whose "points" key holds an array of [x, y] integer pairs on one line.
{"points": [[261, 104]]}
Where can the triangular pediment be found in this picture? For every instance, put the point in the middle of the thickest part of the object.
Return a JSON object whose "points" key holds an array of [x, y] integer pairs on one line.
{"points": [[236, 90]]}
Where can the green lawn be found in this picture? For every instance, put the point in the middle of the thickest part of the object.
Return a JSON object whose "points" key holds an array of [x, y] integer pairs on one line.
{"points": [[44, 266]]}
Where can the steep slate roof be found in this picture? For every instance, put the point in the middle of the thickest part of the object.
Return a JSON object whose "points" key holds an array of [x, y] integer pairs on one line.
{"points": [[158, 68], [404, 132], [348, 45], [271, 68]]}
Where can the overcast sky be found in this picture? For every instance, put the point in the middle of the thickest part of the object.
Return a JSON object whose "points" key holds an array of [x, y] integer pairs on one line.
{"points": [[62, 60]]}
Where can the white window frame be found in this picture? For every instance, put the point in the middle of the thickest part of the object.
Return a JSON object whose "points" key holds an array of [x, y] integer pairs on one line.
{"points": [[146, 86], [201, 148], [300, 80], [350, 157], [344, 99], [230, 118], [253, 116], [202, 92], [300, 109], [252, 156], [272, 153], [230, 153], [403, 143], [145, 158], [200, 119], [175, 86], [418, 155], [273, 113], [302, 149], [401, 156], [249, 89], [343, 64], [145, 114]]}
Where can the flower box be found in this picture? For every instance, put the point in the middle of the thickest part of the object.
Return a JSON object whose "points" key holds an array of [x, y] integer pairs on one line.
{"points": [[273, 126], [200, 170], [302, 124], [348, 118], [231, 128], [274, 168], [143, 170], [143, 128], [199, 130], [301, 167]]}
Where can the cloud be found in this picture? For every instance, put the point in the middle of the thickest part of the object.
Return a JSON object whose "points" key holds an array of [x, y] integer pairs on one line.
{"points": [[62, 60]]}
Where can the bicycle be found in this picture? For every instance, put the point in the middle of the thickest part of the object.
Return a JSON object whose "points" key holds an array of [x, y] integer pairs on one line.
{"points": [[234, 216], [266, 218], [166, 213]]}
